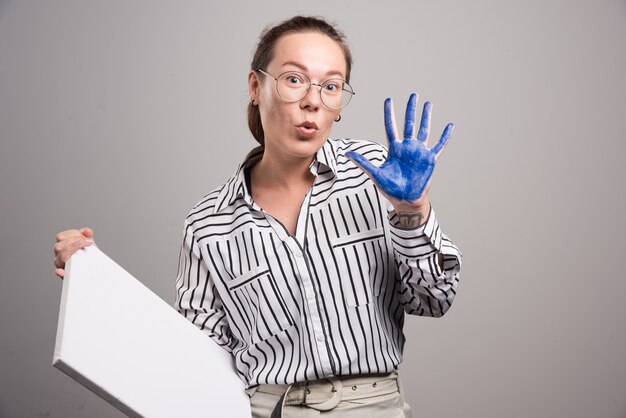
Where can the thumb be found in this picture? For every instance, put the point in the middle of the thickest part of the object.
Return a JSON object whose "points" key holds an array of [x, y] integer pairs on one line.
{"points": [[87, 232], [363, 162]]}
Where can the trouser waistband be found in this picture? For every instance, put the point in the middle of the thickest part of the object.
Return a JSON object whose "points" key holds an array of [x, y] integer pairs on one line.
{"points": [[325, 394]]}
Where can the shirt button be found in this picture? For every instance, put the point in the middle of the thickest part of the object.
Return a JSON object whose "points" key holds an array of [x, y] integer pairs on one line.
{"points": [[320, 338], [299, 255], [311, 296]]}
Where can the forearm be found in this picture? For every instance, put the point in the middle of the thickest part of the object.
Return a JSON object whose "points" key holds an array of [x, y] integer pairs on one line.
{"points": [[428, 264], [428, 289]]}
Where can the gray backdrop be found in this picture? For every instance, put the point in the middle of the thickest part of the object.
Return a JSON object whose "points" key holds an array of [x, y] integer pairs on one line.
{"points": [[121, 115]]}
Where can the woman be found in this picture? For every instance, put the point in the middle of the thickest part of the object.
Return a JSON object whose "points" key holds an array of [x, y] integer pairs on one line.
{"points": [[303, 263]]}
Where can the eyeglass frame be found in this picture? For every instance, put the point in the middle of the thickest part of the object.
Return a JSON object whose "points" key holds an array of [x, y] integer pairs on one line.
{"points": [[352, 93]]}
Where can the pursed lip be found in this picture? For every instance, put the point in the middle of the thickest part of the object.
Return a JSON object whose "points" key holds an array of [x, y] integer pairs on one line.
{"points": [[308, 125], [307, 130]]}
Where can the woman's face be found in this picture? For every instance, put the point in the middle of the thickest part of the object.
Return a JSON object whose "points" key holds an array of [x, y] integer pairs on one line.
{"points": [[298, 129]]}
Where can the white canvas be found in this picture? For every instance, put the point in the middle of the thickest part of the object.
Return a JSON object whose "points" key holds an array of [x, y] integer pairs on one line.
{"points": [[131, 348]]}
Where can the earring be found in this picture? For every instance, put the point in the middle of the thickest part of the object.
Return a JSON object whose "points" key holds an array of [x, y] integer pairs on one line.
{"points": [[338, 118], [253, 102]]}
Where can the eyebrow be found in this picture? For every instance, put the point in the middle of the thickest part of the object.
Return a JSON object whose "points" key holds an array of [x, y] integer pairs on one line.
{"points": [[305, 69]]}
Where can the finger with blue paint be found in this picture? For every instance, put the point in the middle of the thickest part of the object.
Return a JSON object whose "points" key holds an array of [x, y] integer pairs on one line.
{"points": [[405, 175], [422, 136], [438, 149], [409, 117]]}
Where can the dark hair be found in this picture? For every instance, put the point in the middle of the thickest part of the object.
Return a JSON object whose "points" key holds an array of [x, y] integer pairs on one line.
{"points": [[265, 52]]}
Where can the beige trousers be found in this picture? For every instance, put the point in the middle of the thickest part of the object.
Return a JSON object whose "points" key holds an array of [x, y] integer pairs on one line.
{"points": [[379, 396]]}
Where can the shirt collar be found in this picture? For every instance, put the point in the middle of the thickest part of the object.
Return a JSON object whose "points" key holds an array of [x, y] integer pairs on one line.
{"points": [[236, 187]]}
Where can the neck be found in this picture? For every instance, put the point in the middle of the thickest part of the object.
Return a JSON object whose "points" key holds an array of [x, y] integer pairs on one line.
{"points": [[282, 172]]}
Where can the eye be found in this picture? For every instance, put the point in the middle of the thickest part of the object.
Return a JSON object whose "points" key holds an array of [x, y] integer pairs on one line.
{"points": [[294, 79], [332, 86]]}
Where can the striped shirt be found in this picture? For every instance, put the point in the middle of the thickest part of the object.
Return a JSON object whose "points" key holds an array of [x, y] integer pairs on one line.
{"points": [[329, 301]]}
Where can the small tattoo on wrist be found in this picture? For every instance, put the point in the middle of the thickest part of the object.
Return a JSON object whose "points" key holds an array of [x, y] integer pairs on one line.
{"points": [[409, 220]]}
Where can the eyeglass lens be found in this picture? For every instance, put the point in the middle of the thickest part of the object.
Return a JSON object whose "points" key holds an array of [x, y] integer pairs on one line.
{"points": [[293, 86]]}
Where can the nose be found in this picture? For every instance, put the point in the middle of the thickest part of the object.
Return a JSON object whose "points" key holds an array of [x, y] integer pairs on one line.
{"points": [[313, 98]]}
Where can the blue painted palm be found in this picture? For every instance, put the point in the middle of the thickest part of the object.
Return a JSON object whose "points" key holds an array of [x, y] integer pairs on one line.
{"points": [[410, 164]]}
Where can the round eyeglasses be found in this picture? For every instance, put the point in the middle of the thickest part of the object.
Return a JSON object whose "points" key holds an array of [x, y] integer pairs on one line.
{"points": [[293, 86]]}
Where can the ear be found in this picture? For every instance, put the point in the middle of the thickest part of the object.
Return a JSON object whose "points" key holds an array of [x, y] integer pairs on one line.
{"points": [[253, 85]]}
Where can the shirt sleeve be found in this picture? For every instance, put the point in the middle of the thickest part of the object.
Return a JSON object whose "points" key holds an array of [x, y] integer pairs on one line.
{"points": [[196, 296], [425, 288]]}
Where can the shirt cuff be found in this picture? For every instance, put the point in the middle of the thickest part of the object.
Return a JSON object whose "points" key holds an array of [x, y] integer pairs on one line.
{"points": [[420, 242]]}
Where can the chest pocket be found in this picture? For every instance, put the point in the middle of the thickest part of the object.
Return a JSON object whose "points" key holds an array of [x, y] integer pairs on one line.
{"points": [[361, 264], [260, 304]]}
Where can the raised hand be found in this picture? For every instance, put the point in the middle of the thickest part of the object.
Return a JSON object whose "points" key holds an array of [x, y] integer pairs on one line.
{"points": [[406, 173]]}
